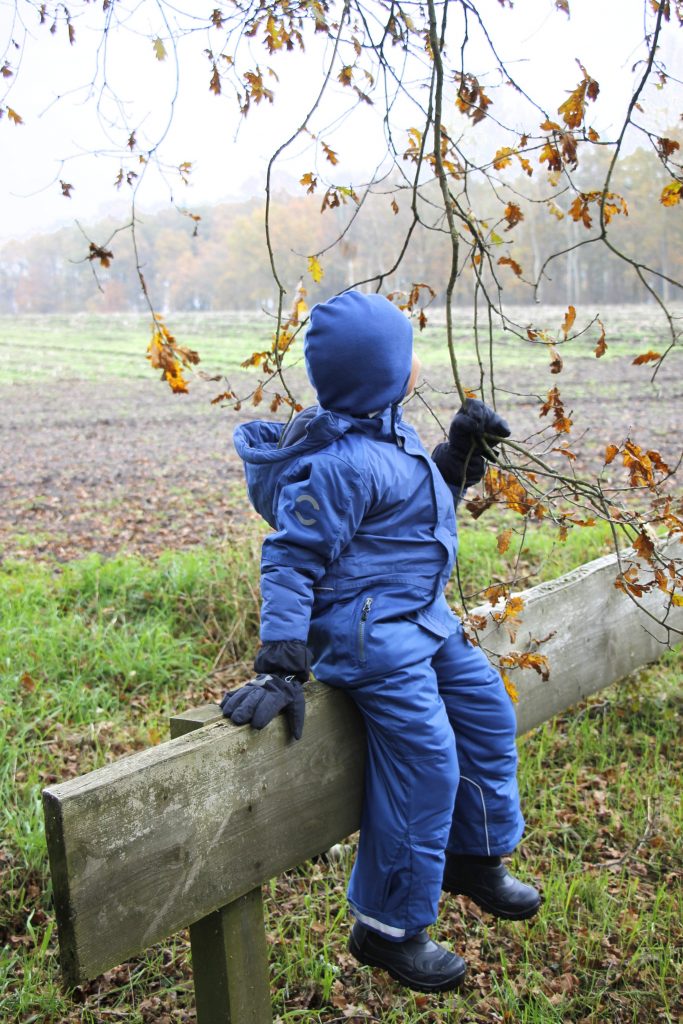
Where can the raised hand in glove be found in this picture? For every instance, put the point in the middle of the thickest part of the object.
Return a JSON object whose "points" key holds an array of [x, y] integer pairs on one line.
{"points": [[264, 697], [462, 459]]}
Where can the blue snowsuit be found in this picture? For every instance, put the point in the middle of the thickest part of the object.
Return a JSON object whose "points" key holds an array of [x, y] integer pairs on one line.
{"points": [[364, 543]]}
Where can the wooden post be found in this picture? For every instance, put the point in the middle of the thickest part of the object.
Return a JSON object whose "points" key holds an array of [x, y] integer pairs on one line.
{"points": [[229, 949]]}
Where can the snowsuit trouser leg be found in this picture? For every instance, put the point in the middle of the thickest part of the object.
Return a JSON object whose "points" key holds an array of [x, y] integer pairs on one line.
{"points": [[441, 719], [487, 819], [411, 778]]}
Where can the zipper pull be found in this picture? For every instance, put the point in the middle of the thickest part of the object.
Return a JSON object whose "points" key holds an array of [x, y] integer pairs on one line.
{"points": [[366, 609]]}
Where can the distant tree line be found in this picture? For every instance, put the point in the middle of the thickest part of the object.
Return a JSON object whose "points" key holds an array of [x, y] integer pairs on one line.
{"points": [[216, 259]]}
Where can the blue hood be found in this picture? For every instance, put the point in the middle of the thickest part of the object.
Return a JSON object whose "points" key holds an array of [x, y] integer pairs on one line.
{"points": [[358, 351]]}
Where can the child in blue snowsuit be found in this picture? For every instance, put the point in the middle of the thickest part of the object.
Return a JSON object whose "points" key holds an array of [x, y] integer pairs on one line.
{"points": [[352, 582]]}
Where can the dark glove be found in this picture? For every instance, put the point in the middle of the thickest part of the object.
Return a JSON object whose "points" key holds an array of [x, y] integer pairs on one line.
{"points": [[284, 658], [462, 460], [264, 697]]}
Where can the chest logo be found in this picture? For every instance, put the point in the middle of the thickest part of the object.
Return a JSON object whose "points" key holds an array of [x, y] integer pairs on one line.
{"points": [[304, 520]]}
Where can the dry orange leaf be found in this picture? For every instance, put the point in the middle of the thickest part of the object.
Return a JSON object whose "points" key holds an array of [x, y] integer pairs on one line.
{"points": [[504, 539], [671, 193], [569, 318], [647, 357]]}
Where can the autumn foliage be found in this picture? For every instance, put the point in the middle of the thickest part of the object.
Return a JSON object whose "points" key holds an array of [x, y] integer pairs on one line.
{"points": [[474, 157]]}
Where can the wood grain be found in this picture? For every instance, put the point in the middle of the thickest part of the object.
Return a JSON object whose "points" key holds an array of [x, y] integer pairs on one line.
{"points": [[158, 840]]}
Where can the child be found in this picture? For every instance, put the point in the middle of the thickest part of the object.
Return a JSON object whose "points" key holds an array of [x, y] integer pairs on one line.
{"points": [[352, 585]]}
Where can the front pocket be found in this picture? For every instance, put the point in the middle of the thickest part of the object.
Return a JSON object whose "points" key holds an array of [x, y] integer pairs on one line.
{"points": [[362, 628]]}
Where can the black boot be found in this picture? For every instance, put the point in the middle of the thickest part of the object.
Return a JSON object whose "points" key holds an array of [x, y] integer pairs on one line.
{"points": [[488, 882], [418, 963]]}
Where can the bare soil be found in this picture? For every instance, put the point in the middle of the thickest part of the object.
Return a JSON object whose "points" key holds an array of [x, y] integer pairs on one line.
{"points": [[114, 466]]}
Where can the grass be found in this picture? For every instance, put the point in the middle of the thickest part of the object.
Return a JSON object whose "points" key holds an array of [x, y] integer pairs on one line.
{"points": [[95, 656], [89, 346], [92, 346]]}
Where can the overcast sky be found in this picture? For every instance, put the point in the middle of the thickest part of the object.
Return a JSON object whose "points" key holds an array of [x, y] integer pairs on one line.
{"points": [[65, 134]]}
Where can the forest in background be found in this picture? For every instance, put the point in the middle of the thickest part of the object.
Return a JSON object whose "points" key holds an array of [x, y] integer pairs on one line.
{"points": [[215, 258]]}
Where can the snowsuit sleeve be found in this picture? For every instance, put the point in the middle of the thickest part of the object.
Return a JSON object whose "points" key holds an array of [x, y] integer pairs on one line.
{"points": [[317, 510]]}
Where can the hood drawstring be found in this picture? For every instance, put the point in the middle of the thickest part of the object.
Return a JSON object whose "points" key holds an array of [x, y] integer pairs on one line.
{"points": [[394, 419]]}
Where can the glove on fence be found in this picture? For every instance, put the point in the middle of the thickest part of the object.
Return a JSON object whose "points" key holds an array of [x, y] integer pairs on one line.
{"points": [[461, 460], [264, 697], [284, 658]]}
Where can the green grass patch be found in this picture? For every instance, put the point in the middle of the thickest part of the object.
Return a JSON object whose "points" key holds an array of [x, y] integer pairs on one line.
{"points": [[535, 553], [95, 656], [89, 346]]}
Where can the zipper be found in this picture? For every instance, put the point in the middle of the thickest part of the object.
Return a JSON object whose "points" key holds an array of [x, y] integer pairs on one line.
{"points": [[365, 611]]}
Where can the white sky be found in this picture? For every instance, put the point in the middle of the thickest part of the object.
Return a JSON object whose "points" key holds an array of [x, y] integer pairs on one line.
{"points": [[64, 134]]}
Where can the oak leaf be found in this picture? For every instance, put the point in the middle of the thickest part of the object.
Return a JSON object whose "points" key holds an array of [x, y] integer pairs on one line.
{"points": [[671, 193], [315, 269], [510, 688], [569, 318], [223, 397], [309, 181], [174, 375], [646, 357], [503, 158], [574, 107], [561, 423], [644, 546], [601, 346], [550, 155], [159, 49], [504, 539], [330, 154], [665, 147], [513, 215], [98, 252], [518, 659], [507, 261], [471, 99], [556, 363], [567, 452]]}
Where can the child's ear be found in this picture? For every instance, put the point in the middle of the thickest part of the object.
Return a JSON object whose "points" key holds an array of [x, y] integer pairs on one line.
{"points": [[415, 368]]}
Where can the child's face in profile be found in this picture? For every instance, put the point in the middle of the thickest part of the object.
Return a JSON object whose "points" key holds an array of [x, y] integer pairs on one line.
{"points": [[414, 372]]}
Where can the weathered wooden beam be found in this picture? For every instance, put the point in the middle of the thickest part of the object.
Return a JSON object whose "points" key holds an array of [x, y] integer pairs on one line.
{"points": [[152, 843], [591, 633]]}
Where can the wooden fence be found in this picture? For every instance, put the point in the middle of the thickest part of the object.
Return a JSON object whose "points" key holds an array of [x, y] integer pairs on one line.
{"points": [[185, 833]]}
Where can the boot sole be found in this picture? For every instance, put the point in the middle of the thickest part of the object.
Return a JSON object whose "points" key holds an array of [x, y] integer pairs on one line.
{"points": [[449, 985], [500, 912]]}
